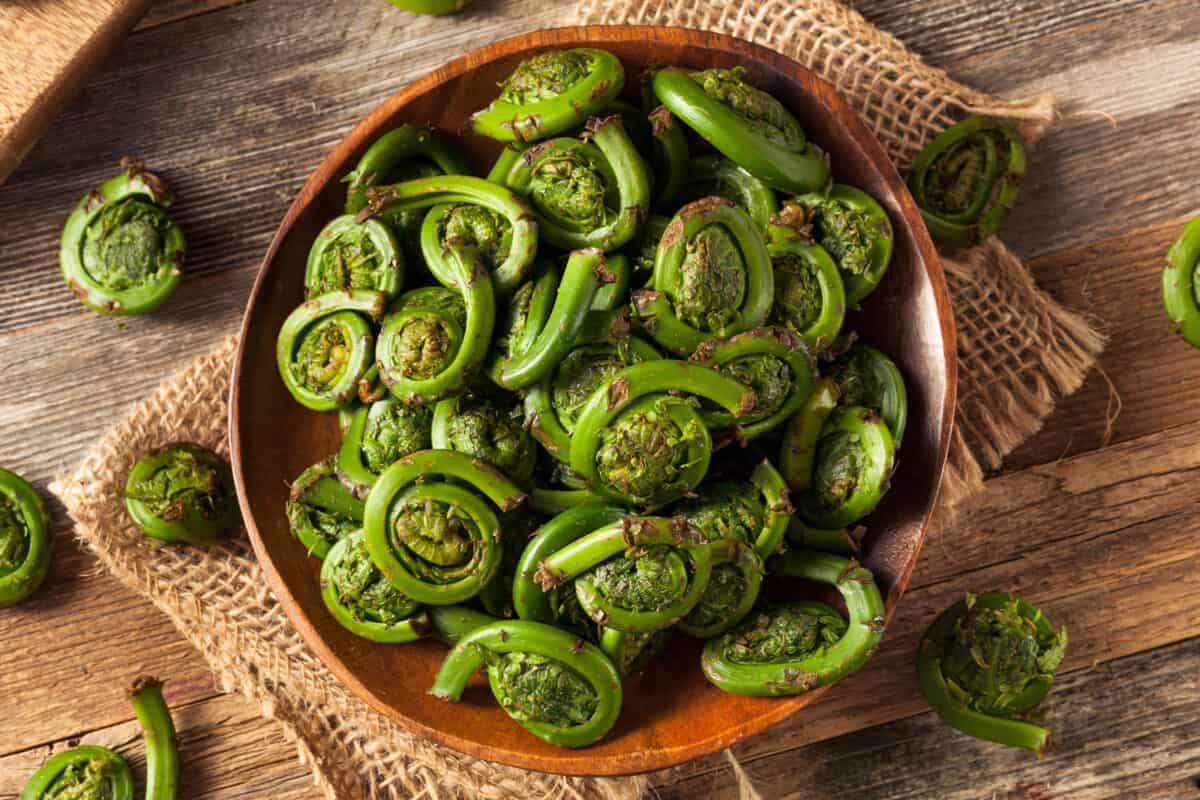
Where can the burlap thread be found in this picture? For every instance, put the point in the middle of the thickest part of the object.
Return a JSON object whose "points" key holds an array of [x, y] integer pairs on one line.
{"points": [[1019, 351]]}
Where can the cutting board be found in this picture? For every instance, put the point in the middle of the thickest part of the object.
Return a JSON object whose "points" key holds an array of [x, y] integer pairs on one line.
{"points": [[48, 49]]}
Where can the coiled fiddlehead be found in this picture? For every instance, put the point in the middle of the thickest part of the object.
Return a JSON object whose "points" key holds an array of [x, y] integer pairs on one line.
{"points": [[380, 434], [365, 604], [853, 229], [399, 155], [435, 340], [348, 254], [489, 429], [810, 297], [24, 539], [635, 443], [558, 687], [326, 345], [438, 541], [853, 463], [986, 663], [320, 509], [591, 192], [732, 589], [967, 179], [120, 252], [1180, 289], [712, 277], [794, 647], [866, 377], [773, 362], [182, 493], [713, 175], [637, 575], [551, 93], [748, 126]]}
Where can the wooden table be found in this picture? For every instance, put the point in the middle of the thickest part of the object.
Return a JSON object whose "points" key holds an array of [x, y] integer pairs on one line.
{"points": [[236, 103]]}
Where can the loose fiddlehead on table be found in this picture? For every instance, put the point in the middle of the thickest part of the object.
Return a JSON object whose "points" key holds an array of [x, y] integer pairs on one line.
{"points": [[866, 377], [558, 687], [348, 254], [24, 539], [1180, 289], [796, 646], [320, 509], [435, 7], [487, 428], [713, 175], [162, 744], [182, 493], [365, 604], [967, 178], [986, 663], [551, 93], [438, 541], [748, 126], [121, 253], [852, 466], [852, 228], [810, 297], [712, 277], [380, 433]]}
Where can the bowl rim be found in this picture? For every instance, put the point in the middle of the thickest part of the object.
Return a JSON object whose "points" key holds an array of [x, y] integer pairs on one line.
{"points": [[368, 127]]}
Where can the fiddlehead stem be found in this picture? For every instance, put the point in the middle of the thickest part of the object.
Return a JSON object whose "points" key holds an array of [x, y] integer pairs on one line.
{"points": [[326, 345], [669, 157], [967, 179], [798, 450], [713, 175], [866, 377], [843, 541], [162, 745], [986, 663], [365, 604], [351, 255], [853, 463], [397, 156], [852, 228], [635, 443], [320, 509], [558, 687], [380, 434], [748, 126], [182, 493], [810, 297], [438, 542], [24, 539], [632, 652], [451, 623], [551, 93], [774, 363], [87, 772], [712, 277], [1180, 289], [794, 647], [120, 251], [488, 429]]}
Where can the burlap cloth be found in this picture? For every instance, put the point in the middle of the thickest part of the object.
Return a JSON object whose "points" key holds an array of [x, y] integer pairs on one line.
{"points": [[1018, 352]]}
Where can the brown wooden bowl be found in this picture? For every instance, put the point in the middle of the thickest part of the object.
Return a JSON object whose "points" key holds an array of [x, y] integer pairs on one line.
{"points": [[671, 713]]}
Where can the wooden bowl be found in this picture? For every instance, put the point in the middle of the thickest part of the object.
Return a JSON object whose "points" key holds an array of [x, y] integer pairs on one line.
{"points": [[671, 713]]}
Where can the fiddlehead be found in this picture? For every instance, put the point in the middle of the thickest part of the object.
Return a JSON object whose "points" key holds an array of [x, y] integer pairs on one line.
{"points": [[380, 434], [489, 429], [326, 345], [732, 589], [798, 449], [438, 541], [852, 465], [635, 443], [713, 175], [712, 277], [632, 652], [120, 252], [449, 624], [320, 509], [558, 687], [669, 156], [637, 575], [748, 126], [794, 647], [551, 93], [158, 731], [591, 192], [399, 155], [774, 363], [1180, 289], [489, 232], [967, 179], [866, 377], [643, 249], [24, 539], [365, 604], [985, 665], [182, 493], [810, 298], [351, 255], [852, 228]]}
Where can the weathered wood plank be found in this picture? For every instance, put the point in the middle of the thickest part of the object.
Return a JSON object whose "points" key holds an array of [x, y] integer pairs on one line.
{"points": [[167, 11]]}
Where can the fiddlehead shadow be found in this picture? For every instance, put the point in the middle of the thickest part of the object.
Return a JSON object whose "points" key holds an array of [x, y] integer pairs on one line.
{"points": [[182, 493], [1180, 289], [24, 539], [362, 602], [320, 509]]}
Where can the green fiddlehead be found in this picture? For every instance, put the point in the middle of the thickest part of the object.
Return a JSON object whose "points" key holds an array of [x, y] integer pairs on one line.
{"points": [[438, 541], [489, 429], [737, 575], [713, 175], [773, 362], [551, 93], [810, 297], [591, 192], [643, 249], [632, 652], [756, 513], [635, 443], [798, 449], [348, 254], [399, 155], [120, 252], [1180, 289], [449, 624], [558, 687], [748, 126], [985, 665], [158, 731], [365, 604], [967, 178], [852, 228], [866, 377], [794, 647], [326, 345], [380, 434], [320, 509], [435, 7], [24, 539], [182, 493], [712, 278], [489, 232], [852, 466], [669, 156]]}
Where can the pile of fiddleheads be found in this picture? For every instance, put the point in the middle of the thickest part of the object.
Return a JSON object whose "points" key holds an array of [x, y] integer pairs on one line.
{"points": [[601, 391]]}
